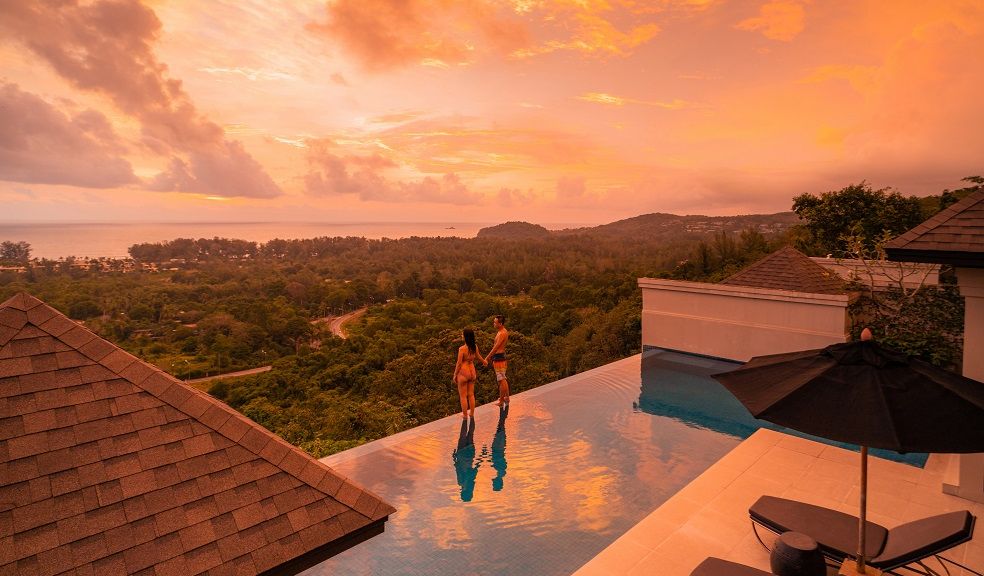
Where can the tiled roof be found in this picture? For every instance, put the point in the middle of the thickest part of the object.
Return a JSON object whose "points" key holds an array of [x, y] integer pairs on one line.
{"points": [[954, 236], [110, 466], [788, 269]]}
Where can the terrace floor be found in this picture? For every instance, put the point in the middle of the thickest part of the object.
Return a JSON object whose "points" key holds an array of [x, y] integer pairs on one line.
{"points": [[709, 517]]}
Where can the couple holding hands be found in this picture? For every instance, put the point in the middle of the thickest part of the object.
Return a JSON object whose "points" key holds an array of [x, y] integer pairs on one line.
{"points": [[465, 375]]}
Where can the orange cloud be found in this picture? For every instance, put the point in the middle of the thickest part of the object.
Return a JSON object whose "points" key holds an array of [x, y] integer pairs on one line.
{"points": [[458, 145], [385, 34], [862, 78], [587, 26], [602, 98], [106, 47], [777, 20]]}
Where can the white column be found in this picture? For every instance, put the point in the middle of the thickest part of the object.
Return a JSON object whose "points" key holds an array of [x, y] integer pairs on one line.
{"points": [[970, 481]]}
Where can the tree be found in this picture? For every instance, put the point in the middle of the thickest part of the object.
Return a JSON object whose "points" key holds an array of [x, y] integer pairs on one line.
{"points": [[857, 211], [19, 252], [902, 309], [950, 197]]}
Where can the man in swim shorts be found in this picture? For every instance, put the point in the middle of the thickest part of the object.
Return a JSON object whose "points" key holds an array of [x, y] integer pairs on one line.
{"points": [[498, 357]]}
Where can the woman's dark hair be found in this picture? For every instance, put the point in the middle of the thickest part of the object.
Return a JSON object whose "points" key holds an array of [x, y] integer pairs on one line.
{"points": [[469, 335]]}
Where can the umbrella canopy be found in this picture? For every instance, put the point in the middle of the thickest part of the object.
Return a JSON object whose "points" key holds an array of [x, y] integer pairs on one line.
{"points": [[863, 393]]}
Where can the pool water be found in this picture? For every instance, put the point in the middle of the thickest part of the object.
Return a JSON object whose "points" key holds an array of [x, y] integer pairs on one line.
{"points": [[545, 486], [673, 385]]}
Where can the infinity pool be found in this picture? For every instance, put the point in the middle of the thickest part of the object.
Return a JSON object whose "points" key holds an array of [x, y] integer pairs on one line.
{"points": [[543, 488]]}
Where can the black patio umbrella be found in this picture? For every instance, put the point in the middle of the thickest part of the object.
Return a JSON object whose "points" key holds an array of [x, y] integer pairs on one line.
{"points": [[865, 394]]}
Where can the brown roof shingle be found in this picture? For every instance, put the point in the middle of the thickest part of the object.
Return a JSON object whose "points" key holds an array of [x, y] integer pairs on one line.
{"points": [[954, 236], [109, 465], [788, 269]]}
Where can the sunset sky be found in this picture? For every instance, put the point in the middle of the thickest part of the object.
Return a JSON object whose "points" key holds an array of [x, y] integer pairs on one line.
{"points": [[550, 111]]}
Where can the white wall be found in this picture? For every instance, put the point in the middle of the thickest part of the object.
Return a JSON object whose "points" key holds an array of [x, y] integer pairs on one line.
{"points": [[970, 481], [737, 322]]}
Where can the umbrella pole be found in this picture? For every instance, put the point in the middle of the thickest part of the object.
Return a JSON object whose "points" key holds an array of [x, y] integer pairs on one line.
{"points": [[864, 505]]}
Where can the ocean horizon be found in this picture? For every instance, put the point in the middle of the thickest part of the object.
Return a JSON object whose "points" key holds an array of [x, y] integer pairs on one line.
{"points": [[54, 240]]}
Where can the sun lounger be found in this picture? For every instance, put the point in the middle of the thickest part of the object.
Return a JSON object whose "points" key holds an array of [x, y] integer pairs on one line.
{"points": [[887, 549], [718, 567]]}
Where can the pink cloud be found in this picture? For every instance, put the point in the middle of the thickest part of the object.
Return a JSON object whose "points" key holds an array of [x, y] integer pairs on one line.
{"points": [[106, 47], [509, 197], [330, 174], [40, 144], [570, 187]]}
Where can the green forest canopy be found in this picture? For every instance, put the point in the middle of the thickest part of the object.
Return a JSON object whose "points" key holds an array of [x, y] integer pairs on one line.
{"points": [[571, 302]]}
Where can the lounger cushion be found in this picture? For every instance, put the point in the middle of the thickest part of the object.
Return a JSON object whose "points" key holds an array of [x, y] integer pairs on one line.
{"points": [[718, 567], [921, 538], [835, 532]]}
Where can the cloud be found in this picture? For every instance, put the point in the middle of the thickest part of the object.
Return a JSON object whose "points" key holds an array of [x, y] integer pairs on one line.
{"points": [[608, 99], [20, 193], [396, 117], [386, 34], [570, 187], [862, 78], [106, 47], [226, 166], [467, 146], [295, 142], [331, 174], [781, 20], [448, 189], [589, 28], [509, 197], [251, 74], [40, 144]]}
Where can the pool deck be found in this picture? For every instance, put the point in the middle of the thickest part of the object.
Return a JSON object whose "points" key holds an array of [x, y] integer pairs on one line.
{"points": [[709, 516]]}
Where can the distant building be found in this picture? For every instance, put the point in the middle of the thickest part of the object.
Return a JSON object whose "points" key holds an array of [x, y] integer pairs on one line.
{"points": [[781, 303]]}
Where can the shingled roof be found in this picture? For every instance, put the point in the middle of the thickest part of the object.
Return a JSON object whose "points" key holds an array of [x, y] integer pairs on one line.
{"points": [[954, 236], [788, 269], [110, 466]]}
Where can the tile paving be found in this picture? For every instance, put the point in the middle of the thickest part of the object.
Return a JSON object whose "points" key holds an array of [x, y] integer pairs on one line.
{"points": [[709, 517]]}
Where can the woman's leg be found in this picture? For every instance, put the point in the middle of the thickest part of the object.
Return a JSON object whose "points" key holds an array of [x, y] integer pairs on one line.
{"points": [[463, 396], [471, 396]]}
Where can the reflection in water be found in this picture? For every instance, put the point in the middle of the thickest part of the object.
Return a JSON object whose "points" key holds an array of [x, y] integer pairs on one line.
{"points": [[685, 392], [583, 468], [465, 467], [499, 449]]}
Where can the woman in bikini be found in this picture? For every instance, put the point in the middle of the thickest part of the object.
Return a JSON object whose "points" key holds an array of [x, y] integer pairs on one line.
{"points": [[464, 372]]}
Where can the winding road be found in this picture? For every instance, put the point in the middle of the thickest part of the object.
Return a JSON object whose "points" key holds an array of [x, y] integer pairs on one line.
{"points": [[337, 323], [249, 372]]}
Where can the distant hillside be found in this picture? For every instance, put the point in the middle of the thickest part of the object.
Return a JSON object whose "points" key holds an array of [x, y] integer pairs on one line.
{"points": [[671, 224], [515, 230], [653, 226]]}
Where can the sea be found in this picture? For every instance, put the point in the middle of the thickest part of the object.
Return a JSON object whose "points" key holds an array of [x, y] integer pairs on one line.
{"points": [[112, 240]]}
